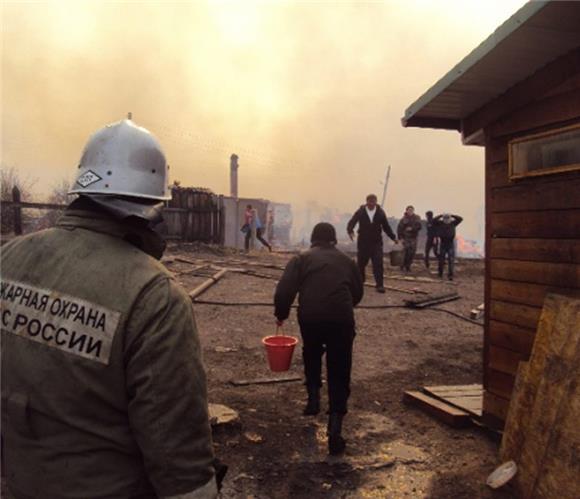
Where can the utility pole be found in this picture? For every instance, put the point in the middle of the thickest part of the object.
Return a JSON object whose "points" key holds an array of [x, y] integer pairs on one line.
{"points": [[386, 184]]}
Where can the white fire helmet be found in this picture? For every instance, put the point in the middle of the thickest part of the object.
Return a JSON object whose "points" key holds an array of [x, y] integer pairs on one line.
{"points": [[123, 159]]}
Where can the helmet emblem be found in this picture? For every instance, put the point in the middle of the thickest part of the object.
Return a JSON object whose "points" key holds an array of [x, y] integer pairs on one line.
{"points": [[88, 178]]}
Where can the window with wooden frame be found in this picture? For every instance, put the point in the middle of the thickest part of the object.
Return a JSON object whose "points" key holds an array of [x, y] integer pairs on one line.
{"points": [[545, 153]]}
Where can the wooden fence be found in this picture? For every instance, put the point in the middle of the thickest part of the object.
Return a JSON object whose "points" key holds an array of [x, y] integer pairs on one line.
{"points": [[194, 215], [191, 215]]}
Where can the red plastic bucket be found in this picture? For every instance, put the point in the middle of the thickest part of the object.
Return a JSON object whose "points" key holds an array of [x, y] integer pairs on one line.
{"points": [[279, 350]]}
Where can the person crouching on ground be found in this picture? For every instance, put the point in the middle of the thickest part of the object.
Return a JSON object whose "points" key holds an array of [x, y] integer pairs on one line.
{"points": [[329, 286]]}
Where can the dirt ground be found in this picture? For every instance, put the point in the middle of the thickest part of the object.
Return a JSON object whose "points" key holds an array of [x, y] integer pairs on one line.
{"points": [[393, 450]]}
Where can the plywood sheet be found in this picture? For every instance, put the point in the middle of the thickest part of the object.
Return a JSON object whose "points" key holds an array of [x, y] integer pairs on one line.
{"points": [[542, 433]]}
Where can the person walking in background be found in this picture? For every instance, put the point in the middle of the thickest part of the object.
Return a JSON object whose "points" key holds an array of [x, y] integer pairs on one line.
{"points": [[270, 224], [329, 286], [446, 225], [252, 221], [247, 226], [432, 242], [408, 230], [372, 221], [260, 230]]}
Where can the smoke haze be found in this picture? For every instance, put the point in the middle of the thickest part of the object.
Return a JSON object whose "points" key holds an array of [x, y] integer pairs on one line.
{"points": [[309, 95]]}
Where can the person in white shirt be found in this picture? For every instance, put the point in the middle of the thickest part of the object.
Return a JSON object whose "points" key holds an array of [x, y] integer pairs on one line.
{"points": [[372, 221]]}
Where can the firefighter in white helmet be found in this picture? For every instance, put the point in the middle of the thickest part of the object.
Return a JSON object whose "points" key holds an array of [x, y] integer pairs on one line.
{"points": [[103, 387]]}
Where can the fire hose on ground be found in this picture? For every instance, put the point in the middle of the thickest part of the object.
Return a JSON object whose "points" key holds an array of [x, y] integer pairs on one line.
{"points": [[417, 304], [362, 307]]}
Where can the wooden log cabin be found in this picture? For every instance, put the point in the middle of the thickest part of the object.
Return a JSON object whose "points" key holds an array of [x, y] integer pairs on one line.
{"points": [[518, 96]]}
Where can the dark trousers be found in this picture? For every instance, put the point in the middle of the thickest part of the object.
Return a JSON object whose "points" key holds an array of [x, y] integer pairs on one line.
{"points": [[447, 249], [410, 246], [258, 237], [337, 340], [247, 239], [430, 244], [373, 252]]}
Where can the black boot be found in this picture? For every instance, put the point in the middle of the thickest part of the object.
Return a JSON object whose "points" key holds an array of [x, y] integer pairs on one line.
{"points": [[336, 444], [313, 405]]}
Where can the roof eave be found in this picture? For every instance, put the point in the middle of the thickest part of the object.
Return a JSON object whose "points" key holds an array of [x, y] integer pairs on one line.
{"points": [[514, 22], [428, 122]]}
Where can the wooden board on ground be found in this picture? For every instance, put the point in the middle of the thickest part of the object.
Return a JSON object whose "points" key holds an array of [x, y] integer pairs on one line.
{"points": [[251, 273], [410, 279], [393, 288], [477, 312], [444, 412], [207, 284], [193, 272], [254, 264], [468, 398], [542, 433], [186, 260], [432, 299], [265, 381], [475, 388]]}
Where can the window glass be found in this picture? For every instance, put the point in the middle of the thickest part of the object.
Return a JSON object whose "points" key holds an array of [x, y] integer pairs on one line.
{"points": [[545, 153]]}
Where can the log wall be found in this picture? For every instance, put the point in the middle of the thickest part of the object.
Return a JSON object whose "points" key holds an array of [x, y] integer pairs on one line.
{"points": [[532, 240]]}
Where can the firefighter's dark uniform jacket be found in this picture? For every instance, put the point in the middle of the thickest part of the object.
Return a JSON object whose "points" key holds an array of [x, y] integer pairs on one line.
{"points": [[103, 388]]}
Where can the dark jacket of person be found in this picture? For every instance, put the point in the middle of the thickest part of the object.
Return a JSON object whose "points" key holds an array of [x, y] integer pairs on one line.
{"points": [[370, 233], [328, 284], [446, 232], [432, 231], [103, 387], [409, 227]]}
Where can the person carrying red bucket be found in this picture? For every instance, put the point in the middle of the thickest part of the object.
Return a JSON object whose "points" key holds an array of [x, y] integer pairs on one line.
{"points": [[329, 286]]}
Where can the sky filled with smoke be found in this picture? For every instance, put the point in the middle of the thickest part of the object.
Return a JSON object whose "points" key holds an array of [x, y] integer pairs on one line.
{"points": [[308, 94]]}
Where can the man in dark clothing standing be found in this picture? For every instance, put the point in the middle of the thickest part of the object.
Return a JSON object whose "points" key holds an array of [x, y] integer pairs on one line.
{"points": [[445, 225], [432, 242], [372, 221], [329, 286], [408, 230]]}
